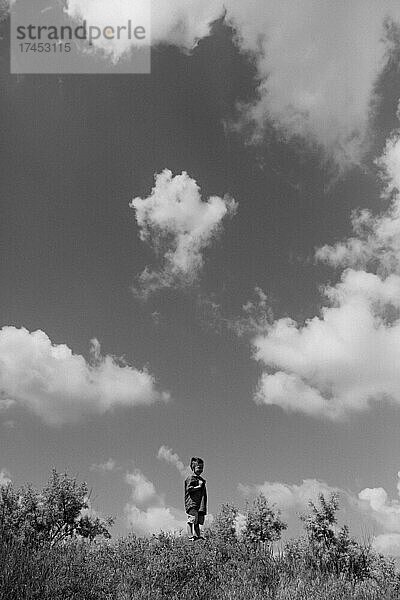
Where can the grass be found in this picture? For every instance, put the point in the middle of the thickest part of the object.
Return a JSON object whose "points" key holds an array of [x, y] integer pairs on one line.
{"points": [[171, 567]]}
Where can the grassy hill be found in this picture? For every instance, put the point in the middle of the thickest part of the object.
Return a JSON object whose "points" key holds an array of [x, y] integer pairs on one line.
{"points": [[174, 568], [50, 549]]}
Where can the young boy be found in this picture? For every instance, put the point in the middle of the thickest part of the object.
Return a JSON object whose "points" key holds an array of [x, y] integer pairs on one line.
{"points": [[195, 499]]}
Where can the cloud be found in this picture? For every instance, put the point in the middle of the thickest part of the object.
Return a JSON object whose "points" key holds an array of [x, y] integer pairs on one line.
{"points": [[345, 358], [375, 502], [317, 61], [154, 519], [147, 512], [340, 361], [176, 22], [99, 13], [387, 544], [385, 512], [172, 458], [143, 490], [4, 477], [372, 503], [376, 243], [109, 465], [62, 387], [290, 499], [289, 496], [257, 314], [179, 226]]}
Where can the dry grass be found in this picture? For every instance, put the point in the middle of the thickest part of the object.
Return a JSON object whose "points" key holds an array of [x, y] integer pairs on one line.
{"points": [[167, 567]]}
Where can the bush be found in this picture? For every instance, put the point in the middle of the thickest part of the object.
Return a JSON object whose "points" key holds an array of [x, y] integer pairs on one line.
{"points": [[327, 548], [263, 523], [224, 523], [165, 566], [58, 512]]}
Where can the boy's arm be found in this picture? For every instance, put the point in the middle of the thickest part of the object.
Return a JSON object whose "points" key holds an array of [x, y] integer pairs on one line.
{"points": [[197, 487], [193, 485]]}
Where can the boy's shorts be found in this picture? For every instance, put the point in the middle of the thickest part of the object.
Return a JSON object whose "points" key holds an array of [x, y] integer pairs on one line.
{"points": [[194, 517]]}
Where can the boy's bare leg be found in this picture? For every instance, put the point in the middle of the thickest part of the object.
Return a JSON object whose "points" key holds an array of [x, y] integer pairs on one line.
{"points": [[189, 529]]}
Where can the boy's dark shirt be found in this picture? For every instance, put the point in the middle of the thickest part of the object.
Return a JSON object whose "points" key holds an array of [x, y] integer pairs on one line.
{"points": [[195, 498]]}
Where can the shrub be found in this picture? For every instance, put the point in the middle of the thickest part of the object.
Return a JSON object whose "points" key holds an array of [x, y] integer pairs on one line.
{"points": [[166, 566], [329, 548], [224, 523], [51, 516], [263, 523]]}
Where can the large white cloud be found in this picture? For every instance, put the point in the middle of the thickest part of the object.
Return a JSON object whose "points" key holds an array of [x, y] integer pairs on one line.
{"points": [[289, 496], [60, 386], [317, 60], [146, 512], [338, 361], [179, 225], [347, 356]]}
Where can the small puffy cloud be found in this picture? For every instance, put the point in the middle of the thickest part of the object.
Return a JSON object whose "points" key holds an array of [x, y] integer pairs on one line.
{"points": [[62, 387], [346, 357], [289, 496], [257, 314], [146, 512], [143, 490], [376, 504], [179, 226], [4, 477], [109, 465], [172, 458], [386, 512]]}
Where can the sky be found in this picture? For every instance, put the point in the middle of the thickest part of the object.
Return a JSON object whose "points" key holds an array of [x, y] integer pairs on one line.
{"points": [[205, 261]]}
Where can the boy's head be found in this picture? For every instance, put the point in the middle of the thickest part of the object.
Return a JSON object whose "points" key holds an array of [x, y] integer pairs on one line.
{"points": [[197, 465]]}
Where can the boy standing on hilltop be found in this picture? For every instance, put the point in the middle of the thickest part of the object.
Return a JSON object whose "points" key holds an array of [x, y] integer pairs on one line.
{"points": [[195, 499]]}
